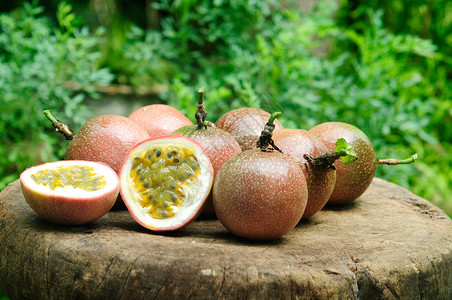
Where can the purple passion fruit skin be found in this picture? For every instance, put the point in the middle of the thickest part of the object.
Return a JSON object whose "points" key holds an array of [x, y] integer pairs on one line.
{"points": [[320, 181], [159, 119], [70, 192], [245, 125], [165, 181], [260, 195], [105, 139], [351, 180], [219, 146]]}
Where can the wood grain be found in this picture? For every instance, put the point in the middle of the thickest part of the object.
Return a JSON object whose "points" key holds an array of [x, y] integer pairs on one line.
{"points": [[387, 244]]}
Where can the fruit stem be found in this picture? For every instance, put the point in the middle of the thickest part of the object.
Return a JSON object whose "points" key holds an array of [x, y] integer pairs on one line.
{"points": [[201, 113], [392, 161], [59, 126], [326, 160], [266, 135]]}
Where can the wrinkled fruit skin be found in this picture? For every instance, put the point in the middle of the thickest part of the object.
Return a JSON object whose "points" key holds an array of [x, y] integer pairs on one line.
{"points": [[320, 181], [159, 119], [149, 169], [105, 139], [351, 180], [245, 125], [219, 146], [70, 209], [260, 195]]}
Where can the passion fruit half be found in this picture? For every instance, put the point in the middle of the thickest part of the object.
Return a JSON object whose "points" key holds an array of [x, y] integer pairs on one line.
{"points": [[165, 182], [70, 192]]}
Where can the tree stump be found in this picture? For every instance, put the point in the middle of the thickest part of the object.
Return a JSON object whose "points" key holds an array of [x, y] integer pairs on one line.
{"points": [[387, 244]]}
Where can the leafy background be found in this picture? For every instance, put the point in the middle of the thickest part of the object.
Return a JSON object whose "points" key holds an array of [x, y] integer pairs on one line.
{"points": [[384, 66]]}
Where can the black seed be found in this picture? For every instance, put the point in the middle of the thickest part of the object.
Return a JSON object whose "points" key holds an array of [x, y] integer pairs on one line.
{"points": [[149, 156], [150, 196], [146, 185], [176, 160], [142, 178], [158, 153], [182, 178], [169, 155], [139, 171]]}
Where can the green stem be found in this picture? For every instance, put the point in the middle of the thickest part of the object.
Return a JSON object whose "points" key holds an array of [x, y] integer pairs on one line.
{"points": [[274, 116], [49, 116], [392, 161], [59, 126], [201, 113], [266, 135], [201, 95]]}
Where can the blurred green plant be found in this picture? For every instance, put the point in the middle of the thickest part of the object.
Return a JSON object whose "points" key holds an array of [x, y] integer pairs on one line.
{"points": [[39, 66]]}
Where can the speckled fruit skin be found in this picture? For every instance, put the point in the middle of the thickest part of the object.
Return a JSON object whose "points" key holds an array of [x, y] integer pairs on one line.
{"points": [[219, 146], [320, 181], [351, 180], [260, 195], [159, 119], [245, 125], [105, 139], [69, 209]]}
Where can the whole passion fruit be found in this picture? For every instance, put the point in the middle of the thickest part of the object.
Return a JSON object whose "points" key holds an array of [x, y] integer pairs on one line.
{"points": [[70, 192], [159, 119], [352, 180], [245, 125], [218, 144], [165, 182], [320, 180], [260, 194], [105, 139]]}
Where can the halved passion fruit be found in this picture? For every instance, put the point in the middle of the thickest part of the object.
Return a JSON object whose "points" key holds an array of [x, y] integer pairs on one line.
{"points": [[165, 181], [70, 192]]}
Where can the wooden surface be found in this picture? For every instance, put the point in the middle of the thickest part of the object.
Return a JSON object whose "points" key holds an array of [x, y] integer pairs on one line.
{"points": [[387, 244]]}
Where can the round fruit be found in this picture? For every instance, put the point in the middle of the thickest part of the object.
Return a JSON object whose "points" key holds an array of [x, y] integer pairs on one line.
{"points": [[352, 180], [70, 192], [159, 119], [105, 139], [245, 125], [320, 180], [218, 144], [260, 194], [165, 182]]}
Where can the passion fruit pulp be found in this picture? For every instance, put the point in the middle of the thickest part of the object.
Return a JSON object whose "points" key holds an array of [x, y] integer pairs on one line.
{"points": [[165, 182], [70, 192]]}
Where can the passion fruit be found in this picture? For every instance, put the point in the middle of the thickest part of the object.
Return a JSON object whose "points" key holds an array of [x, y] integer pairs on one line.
{"points": [[245, 125], [70, 192], [159, 119], [320, 180], [165, 182], [105, 139], [352, 180], [260, 194], [218, 144]]}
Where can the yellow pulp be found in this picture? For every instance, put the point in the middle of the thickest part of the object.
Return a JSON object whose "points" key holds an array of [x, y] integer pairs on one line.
{"points": [[81, 177], [160, 176]]}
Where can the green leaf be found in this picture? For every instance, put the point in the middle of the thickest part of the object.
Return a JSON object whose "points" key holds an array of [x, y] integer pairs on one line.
{"points": [[345, 150]]}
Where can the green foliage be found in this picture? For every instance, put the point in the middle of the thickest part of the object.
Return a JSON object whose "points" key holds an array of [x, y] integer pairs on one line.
{"points": [[37, 63]]}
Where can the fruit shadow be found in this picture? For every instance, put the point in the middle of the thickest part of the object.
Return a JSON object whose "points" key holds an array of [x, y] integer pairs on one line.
{"points": [[341, 207]]}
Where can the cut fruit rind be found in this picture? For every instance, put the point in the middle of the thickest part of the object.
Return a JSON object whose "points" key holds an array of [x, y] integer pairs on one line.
{"points": [[165, 181], [70, 192]]}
